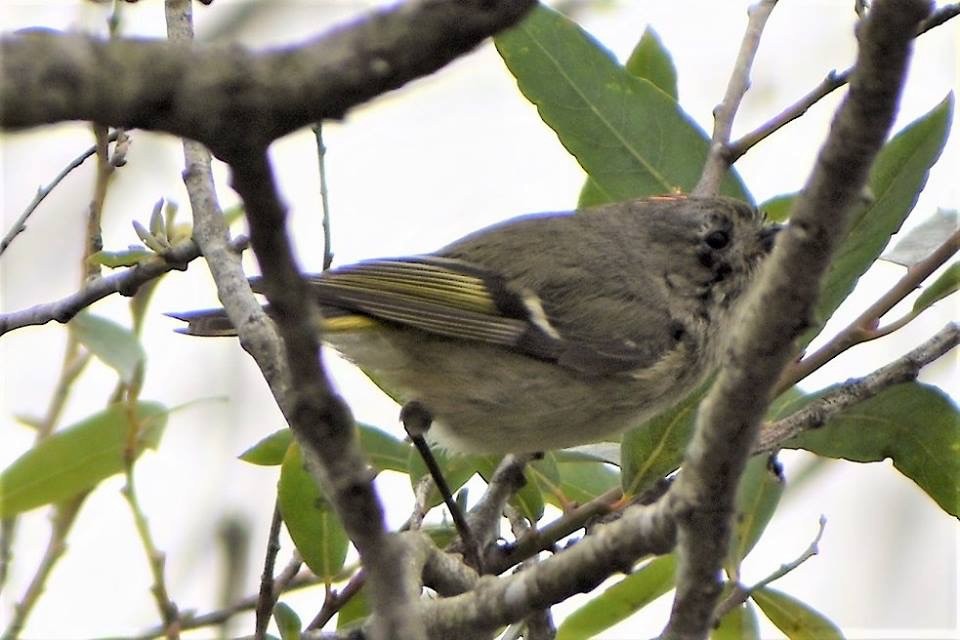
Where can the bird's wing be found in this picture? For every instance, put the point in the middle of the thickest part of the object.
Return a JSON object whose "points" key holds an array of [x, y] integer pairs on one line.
{"points": [[454, 298]]}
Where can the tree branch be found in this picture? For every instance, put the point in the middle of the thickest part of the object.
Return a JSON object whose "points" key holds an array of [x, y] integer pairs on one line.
{"points": [[729, 417], [819, 412], [833, 81], [125, 283], [718, 162], [613, 547], [230, 98]]}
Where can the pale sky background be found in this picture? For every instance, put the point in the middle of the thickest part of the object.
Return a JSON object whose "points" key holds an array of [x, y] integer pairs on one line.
{"points": [[410, 172]]}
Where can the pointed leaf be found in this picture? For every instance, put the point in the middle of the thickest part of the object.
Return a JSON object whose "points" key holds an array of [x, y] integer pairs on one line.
{"points": [[896, 179], [630, 137], [620, 601], [113, 259], [758, 495], [310, 519], [269, 451], [354, 612], [79, 457], [946, 284], [655, 449], [577, 482], [651, 61], [385, 451], [457, 469], [923, 239], [528, 499], [797, 620], [740, 623], [777, 209], [915, 425], [114, 344], [288, 622]]}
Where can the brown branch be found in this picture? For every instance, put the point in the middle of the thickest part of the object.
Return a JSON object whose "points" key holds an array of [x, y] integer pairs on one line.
{"points": [[862, 329], [125, 283], [613, 547], [718, 162], [729, 417], [230, 98], [819, 412], [833, 81], [21, 223]]}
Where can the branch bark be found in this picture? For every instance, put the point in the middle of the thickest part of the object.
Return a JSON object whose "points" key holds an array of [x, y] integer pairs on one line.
{"points": [[230, 98], [729, 417]]}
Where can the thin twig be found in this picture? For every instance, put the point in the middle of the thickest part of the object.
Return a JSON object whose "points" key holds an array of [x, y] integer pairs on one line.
{"points": [[718, 163], [740, 593], [125, 283], [324, 199], [21, 223], [547, 536], [155, 559], [818, 412], [335, 600], [834, 80], [267, 591], [64, 515], [864, 327], [219, 616]]}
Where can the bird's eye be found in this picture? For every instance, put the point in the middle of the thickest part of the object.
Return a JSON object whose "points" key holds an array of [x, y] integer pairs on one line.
{"points": [[717, 239]]}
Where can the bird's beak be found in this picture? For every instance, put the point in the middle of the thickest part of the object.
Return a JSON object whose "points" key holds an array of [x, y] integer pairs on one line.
{"points": [[768, 236]]}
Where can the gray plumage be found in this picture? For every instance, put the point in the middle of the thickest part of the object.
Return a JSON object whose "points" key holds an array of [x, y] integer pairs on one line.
{"points": [[550, 330]]}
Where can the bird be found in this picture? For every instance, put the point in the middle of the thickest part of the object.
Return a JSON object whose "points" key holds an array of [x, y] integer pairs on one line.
{"points": [[548, 330]]}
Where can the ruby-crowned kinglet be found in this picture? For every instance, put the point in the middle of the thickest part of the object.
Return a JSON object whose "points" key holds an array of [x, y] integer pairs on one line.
{"points": [[548, 330]]}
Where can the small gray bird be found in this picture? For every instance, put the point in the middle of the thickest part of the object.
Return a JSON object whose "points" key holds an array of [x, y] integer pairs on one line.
{"points": [[548, 330]]}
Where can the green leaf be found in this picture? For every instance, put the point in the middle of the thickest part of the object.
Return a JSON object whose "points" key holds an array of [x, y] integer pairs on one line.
{"points": [[385, 451], [574, 480], [354, 612], [740, 623], [288, 622], [758, 495], [620, 601], [310, 519], [270, 450], [915, 425], [777, 209], [947, 283], [795, 619], [630, 137], [655, 449], [77, 458], [651, 61], [528, 499], [114, 344], [113, 259], [457, 469], [896, 179]]}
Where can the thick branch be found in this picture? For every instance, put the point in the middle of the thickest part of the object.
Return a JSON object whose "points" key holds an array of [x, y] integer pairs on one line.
{"points": [[729, 417], [613, 547], [230, 98]]}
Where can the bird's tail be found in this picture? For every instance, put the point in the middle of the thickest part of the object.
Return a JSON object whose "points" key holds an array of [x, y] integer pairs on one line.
{"points": [[205, 322], [214, 322]]}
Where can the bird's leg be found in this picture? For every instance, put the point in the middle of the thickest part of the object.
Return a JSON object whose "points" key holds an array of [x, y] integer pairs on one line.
{"points": [[416, 420]]}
